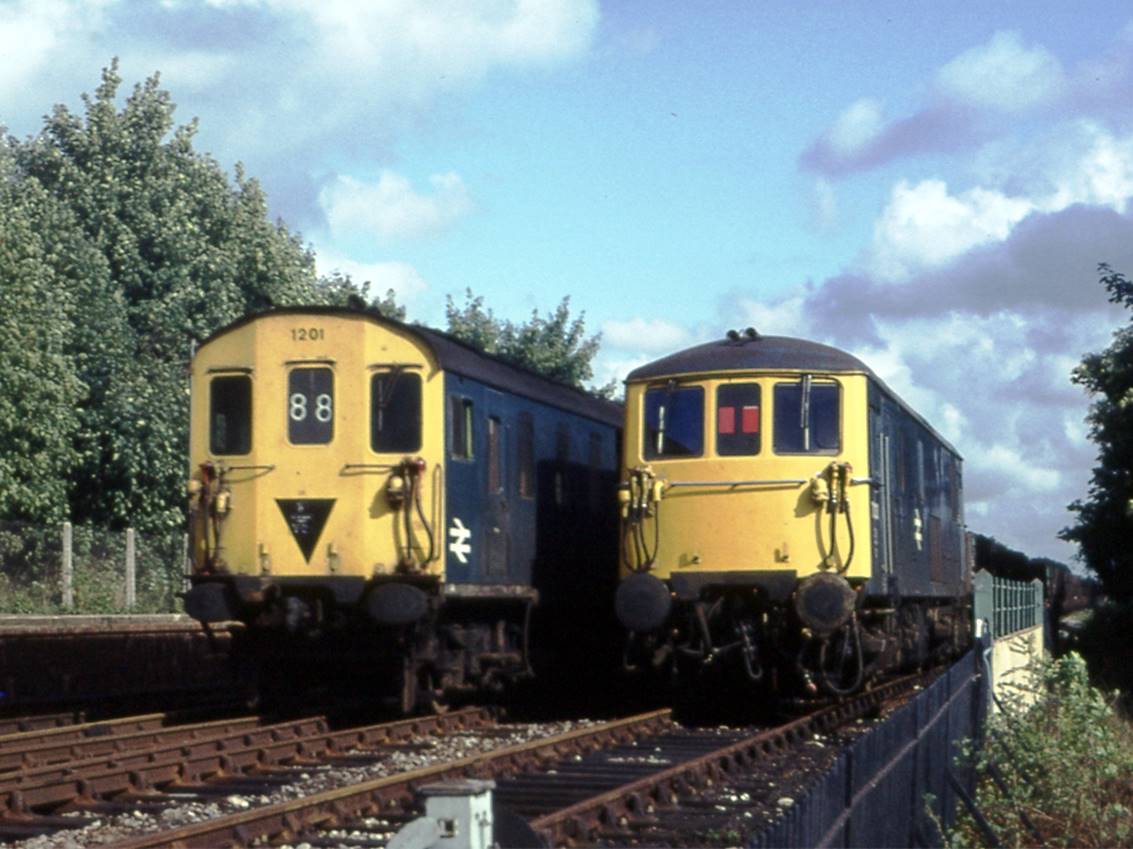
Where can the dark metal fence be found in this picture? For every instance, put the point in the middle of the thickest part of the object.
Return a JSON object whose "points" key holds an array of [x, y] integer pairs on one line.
{"points": [[897, 784], [1007, 606]]}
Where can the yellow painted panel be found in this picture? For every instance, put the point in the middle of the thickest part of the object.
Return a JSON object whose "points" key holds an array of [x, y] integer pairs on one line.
{"points": [[362, 533], [778, 525]]}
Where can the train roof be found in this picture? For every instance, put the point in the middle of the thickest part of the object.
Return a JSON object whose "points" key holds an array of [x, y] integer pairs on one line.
{"points": [[751, 351], [460, 358]]}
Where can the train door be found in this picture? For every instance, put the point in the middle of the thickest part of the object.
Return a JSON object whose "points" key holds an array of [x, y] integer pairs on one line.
{"points": [[885, 492], [497, 516]]}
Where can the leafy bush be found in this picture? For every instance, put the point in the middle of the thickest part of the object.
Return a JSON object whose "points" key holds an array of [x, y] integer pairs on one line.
{"points": [[1065, 763], [1105, 639]]}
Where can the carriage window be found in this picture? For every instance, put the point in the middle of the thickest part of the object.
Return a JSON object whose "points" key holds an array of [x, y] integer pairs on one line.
{"points": [[495, 472], [674, 422], [460, 421], [230, 415], [395, 412], [562, 459], [737, 419], [807, 416], [525, 456], [310, 406]]}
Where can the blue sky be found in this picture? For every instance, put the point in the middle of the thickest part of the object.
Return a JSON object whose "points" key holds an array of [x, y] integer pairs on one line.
{"points": [[926, 185]]}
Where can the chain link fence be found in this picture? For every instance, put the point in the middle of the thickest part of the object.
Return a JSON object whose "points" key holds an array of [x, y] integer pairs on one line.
{"points": [[53, 569]]}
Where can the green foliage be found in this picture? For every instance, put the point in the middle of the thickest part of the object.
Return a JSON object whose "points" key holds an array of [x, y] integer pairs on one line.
{"points": [[31, 573], [1105, 517], [340, 290], [39, 389], [1104, 636], [121, 246], [1067, 763], [555, 346]]}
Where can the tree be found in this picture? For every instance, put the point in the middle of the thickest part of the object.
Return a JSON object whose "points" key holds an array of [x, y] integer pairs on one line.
{"points": [[555, 345], [340, 290], [159, 250], [1105, 518], [38, 387]]}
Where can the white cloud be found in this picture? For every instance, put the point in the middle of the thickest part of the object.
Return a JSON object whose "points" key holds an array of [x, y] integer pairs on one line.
{"points": [[190, 70], [824, 204], [1100, 171], [1016, 468], [783, 316], [407, 283], [391, 208], [924, 225], [608, 367], [856, 128], [639, 334], [1003, 74], [34, 32], [413, 49]]}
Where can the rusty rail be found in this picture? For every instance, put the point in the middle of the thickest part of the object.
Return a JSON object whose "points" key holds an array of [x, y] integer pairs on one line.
{"points": [[194, 760], [636, 801], [616, 810], [288, 819]]}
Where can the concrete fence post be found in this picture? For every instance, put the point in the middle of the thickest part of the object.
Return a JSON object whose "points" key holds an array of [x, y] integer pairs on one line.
{"points": [[983, 599], [186, 564], [67, 578], [131, 570]]}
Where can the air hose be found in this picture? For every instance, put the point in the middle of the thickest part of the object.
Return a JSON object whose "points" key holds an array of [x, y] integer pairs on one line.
{"points": [[411, 472], [643, 501], [208, 504], [837, 500]]}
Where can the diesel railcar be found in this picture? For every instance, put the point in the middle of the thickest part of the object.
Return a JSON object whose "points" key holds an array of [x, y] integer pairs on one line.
{"points": [[379, 501], [786, 519]]}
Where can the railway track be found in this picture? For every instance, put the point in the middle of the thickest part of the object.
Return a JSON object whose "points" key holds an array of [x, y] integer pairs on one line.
{"points": [[634, 780], [67, 778]]}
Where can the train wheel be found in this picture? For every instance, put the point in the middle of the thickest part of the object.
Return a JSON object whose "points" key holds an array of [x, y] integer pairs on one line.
{"points": [[407, 697], [840, 660], [418, 690], [915, 637]]}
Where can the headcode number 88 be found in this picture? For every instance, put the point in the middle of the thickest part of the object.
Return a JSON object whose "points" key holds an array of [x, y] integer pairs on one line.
{"points": [[324, 407]]}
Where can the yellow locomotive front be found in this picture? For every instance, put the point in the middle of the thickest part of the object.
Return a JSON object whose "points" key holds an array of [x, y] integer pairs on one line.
{"points": [[314, 482], [746, 511]]}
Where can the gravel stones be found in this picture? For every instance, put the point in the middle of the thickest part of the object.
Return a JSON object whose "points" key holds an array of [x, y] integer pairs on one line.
{"points": [[304, 781]]}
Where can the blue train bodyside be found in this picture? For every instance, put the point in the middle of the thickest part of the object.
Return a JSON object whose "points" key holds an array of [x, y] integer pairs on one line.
{"points": [[917, 537]]}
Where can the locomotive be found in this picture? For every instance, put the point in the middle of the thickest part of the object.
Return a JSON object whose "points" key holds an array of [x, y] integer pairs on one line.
{"points": [[382, 502], [787, 521]]}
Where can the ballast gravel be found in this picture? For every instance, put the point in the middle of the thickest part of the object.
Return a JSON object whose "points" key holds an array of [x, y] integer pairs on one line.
{"points": [[311, 780]]}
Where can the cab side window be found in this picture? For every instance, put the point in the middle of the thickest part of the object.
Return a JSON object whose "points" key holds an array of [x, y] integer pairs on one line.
{"points": [[737, 419], [395, 412], [230, 415], [807, 417]]}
